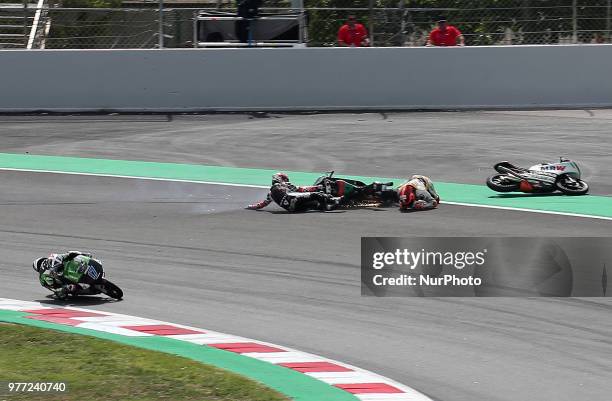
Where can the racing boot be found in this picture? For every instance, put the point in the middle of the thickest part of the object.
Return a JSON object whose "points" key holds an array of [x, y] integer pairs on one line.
{"points": [[381, 186], [61, 293], [332, 202], [68, 289], [75, 289]]}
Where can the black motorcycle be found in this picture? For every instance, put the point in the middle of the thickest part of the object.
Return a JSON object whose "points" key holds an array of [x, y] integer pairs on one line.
{"points": [[357, 193]]}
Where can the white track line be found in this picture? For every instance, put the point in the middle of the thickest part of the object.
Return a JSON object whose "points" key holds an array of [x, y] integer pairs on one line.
{"points": [[519, 209], [228, 184], [225, 184]]}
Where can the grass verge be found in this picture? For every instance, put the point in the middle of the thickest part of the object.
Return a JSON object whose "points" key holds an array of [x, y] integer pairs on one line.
{"points": [[96, 369]]}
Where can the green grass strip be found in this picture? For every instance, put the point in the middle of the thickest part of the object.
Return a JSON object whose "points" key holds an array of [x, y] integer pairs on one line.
{"points": [[451, 192], [96, 369], [293, 384]]}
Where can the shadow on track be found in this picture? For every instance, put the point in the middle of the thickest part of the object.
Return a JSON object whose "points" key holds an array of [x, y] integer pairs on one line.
{"points": [[305, 212], [78, 301]]}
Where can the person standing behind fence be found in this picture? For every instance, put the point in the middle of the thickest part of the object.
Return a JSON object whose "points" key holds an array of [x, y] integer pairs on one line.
{"points": [[353, 34], [445, 35]]}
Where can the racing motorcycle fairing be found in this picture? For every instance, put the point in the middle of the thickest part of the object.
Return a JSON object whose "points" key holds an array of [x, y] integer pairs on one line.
{"points": [[540, 178]]}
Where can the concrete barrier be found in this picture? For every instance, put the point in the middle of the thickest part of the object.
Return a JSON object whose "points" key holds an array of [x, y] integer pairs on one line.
{"points": [[306, 79]]}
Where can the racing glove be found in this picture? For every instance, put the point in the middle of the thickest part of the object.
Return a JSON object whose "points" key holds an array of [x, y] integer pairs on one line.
{"points": [[47, 279], [260, 205], [419, 205], [423, 205]]}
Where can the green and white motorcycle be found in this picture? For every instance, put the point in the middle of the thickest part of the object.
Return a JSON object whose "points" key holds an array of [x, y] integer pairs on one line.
{"points": [[83, 274]]}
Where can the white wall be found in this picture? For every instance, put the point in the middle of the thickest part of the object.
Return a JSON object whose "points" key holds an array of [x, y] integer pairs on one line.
{"points": [[313, 78]]}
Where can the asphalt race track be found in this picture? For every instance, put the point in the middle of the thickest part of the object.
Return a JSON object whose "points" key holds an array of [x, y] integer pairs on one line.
{"points": [[189, 253]]}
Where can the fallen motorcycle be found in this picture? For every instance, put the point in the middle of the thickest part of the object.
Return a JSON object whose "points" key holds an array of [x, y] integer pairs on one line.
{"points": [[563, 176], [87, 276], [357, 193]]}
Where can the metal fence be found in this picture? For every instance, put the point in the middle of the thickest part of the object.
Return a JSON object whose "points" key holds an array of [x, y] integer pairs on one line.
{"points": [[389, 22], [482, 22]]}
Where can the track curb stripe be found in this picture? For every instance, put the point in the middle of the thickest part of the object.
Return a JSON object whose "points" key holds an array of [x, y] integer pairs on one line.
{"points": [[332, 380]]}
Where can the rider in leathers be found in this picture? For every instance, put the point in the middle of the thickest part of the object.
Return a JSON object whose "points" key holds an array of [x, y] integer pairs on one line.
{"points": [[418, 193], [51, 270], [296, 199]]}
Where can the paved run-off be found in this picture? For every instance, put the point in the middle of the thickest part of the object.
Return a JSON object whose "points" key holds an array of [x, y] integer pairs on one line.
{"points": [[598, 206]]}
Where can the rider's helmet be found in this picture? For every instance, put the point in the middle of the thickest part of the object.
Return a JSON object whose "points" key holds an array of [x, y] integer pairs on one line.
{"points": [[406, 196], [279, 178], [55, 260], [40, 265]]}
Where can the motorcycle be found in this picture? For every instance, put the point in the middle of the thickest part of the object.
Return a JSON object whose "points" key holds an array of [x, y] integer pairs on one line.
{"points": [[563, 176], [357, 193], [89, 276]]}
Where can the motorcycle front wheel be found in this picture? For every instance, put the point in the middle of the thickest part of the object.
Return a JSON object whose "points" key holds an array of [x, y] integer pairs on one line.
{"points": [[111, 290], [501, 183], [571, 186]]}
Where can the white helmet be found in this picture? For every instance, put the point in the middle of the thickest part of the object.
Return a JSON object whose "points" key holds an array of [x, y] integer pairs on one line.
{"points": [[55, 260], [40, 265]]}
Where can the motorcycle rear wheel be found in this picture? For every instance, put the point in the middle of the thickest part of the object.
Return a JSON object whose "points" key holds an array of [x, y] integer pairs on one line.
{"points": [[499, 183], [572, 187]]}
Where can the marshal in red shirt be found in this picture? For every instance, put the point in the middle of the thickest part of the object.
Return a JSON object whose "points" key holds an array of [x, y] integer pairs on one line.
{"points": [[446, 37], [353, 36]]}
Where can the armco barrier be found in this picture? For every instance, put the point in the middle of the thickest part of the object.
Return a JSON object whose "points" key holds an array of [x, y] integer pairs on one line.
{"points": [[306, 79]]}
